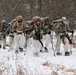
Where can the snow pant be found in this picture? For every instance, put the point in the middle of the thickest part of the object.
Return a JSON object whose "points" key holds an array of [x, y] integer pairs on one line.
{"points": [[2, 40], [67, 45], [46, 40], [58, 44], [19, 41], [11, 47], [36, 45], [28, 42], [8, 40]]}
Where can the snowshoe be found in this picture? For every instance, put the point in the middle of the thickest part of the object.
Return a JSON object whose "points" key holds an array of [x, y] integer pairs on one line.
{"points": [[20, 49], [58, 53], [67, 53]]}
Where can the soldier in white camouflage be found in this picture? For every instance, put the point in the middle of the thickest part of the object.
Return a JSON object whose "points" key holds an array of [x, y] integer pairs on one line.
{"points": [[3, 28], [37, 34], [61, 30], [46, 33], [18, 27]]}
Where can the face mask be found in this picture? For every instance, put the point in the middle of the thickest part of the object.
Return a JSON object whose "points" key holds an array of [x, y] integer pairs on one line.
{"points": [[38, 23], [20, 20]]}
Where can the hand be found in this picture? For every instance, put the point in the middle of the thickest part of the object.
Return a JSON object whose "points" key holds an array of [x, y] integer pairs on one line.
{"points": [[15, 31], [8, 32], [49, 32]]}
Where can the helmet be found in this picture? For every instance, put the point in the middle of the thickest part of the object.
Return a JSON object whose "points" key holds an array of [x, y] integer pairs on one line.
{"points": [[42, 19], [63, 18], [3, 21], [46, 19], [36, 18], [19, 18], [13, 20]]}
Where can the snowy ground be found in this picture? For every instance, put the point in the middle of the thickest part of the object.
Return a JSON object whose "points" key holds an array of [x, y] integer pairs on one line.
{"points": [[44, 64]]}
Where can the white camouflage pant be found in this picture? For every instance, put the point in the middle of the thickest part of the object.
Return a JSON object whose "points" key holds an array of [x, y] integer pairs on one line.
{"points": [[58, 44], [36, 45], [46, 40], [19, 41], [66, 46], [2, 41]]}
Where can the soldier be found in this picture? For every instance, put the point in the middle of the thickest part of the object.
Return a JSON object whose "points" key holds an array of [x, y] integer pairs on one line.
{"points": [[18, 28], [28, 31], [37, 34], [61, 29], [46, 32], [0, 34], [11, 34], [3, 28]]}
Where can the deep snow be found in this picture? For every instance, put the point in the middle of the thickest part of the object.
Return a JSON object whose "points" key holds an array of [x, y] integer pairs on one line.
{"points": [[45, 64]]}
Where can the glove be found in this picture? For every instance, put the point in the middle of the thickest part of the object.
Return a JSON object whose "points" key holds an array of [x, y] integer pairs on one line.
{"points": [[8, 32], [72, 32], [49, 32], [27, 32], [15, 31], [4, 36]]}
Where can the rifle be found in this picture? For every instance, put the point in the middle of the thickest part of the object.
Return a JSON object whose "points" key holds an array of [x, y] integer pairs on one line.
{"points": [[37, 34]]}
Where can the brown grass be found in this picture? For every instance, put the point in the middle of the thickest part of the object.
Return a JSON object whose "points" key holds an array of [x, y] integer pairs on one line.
{"points": [[20, 70], [58, 68]]}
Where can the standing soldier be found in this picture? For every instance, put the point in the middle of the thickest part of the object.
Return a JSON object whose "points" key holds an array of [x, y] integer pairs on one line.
{"points": [[0, 34], [18, 28], [3, 28], [46, 32], [28, 31], [37, 34], [61, 29], [11, 34]]}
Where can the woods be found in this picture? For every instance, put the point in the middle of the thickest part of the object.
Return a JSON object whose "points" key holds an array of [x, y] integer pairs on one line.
{"points": [[28, 8]]}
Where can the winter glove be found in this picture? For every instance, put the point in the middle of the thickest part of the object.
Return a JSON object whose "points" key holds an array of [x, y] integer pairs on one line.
{"points": [[72, 32], [15, 31], [27, 32], [8, 32], [4, 36], [49, 32]]}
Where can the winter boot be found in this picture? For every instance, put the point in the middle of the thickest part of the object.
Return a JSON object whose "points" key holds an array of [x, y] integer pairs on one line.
{"points": [[41, 51], [0, 46], [16, 51], [4, 48], [36, 54], [67, 53], [46, 50], [58, 53], [20, 49]]}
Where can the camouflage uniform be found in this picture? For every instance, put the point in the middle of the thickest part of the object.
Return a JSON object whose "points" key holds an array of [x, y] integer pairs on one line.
{"points": [[3, 28], [18, 28], [37, 34], [28, 32], [46, 32], [11, 34], [61, 29]]}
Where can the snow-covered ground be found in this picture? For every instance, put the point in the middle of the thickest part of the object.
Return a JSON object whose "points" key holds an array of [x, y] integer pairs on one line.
{"points": [[45, 64]]}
